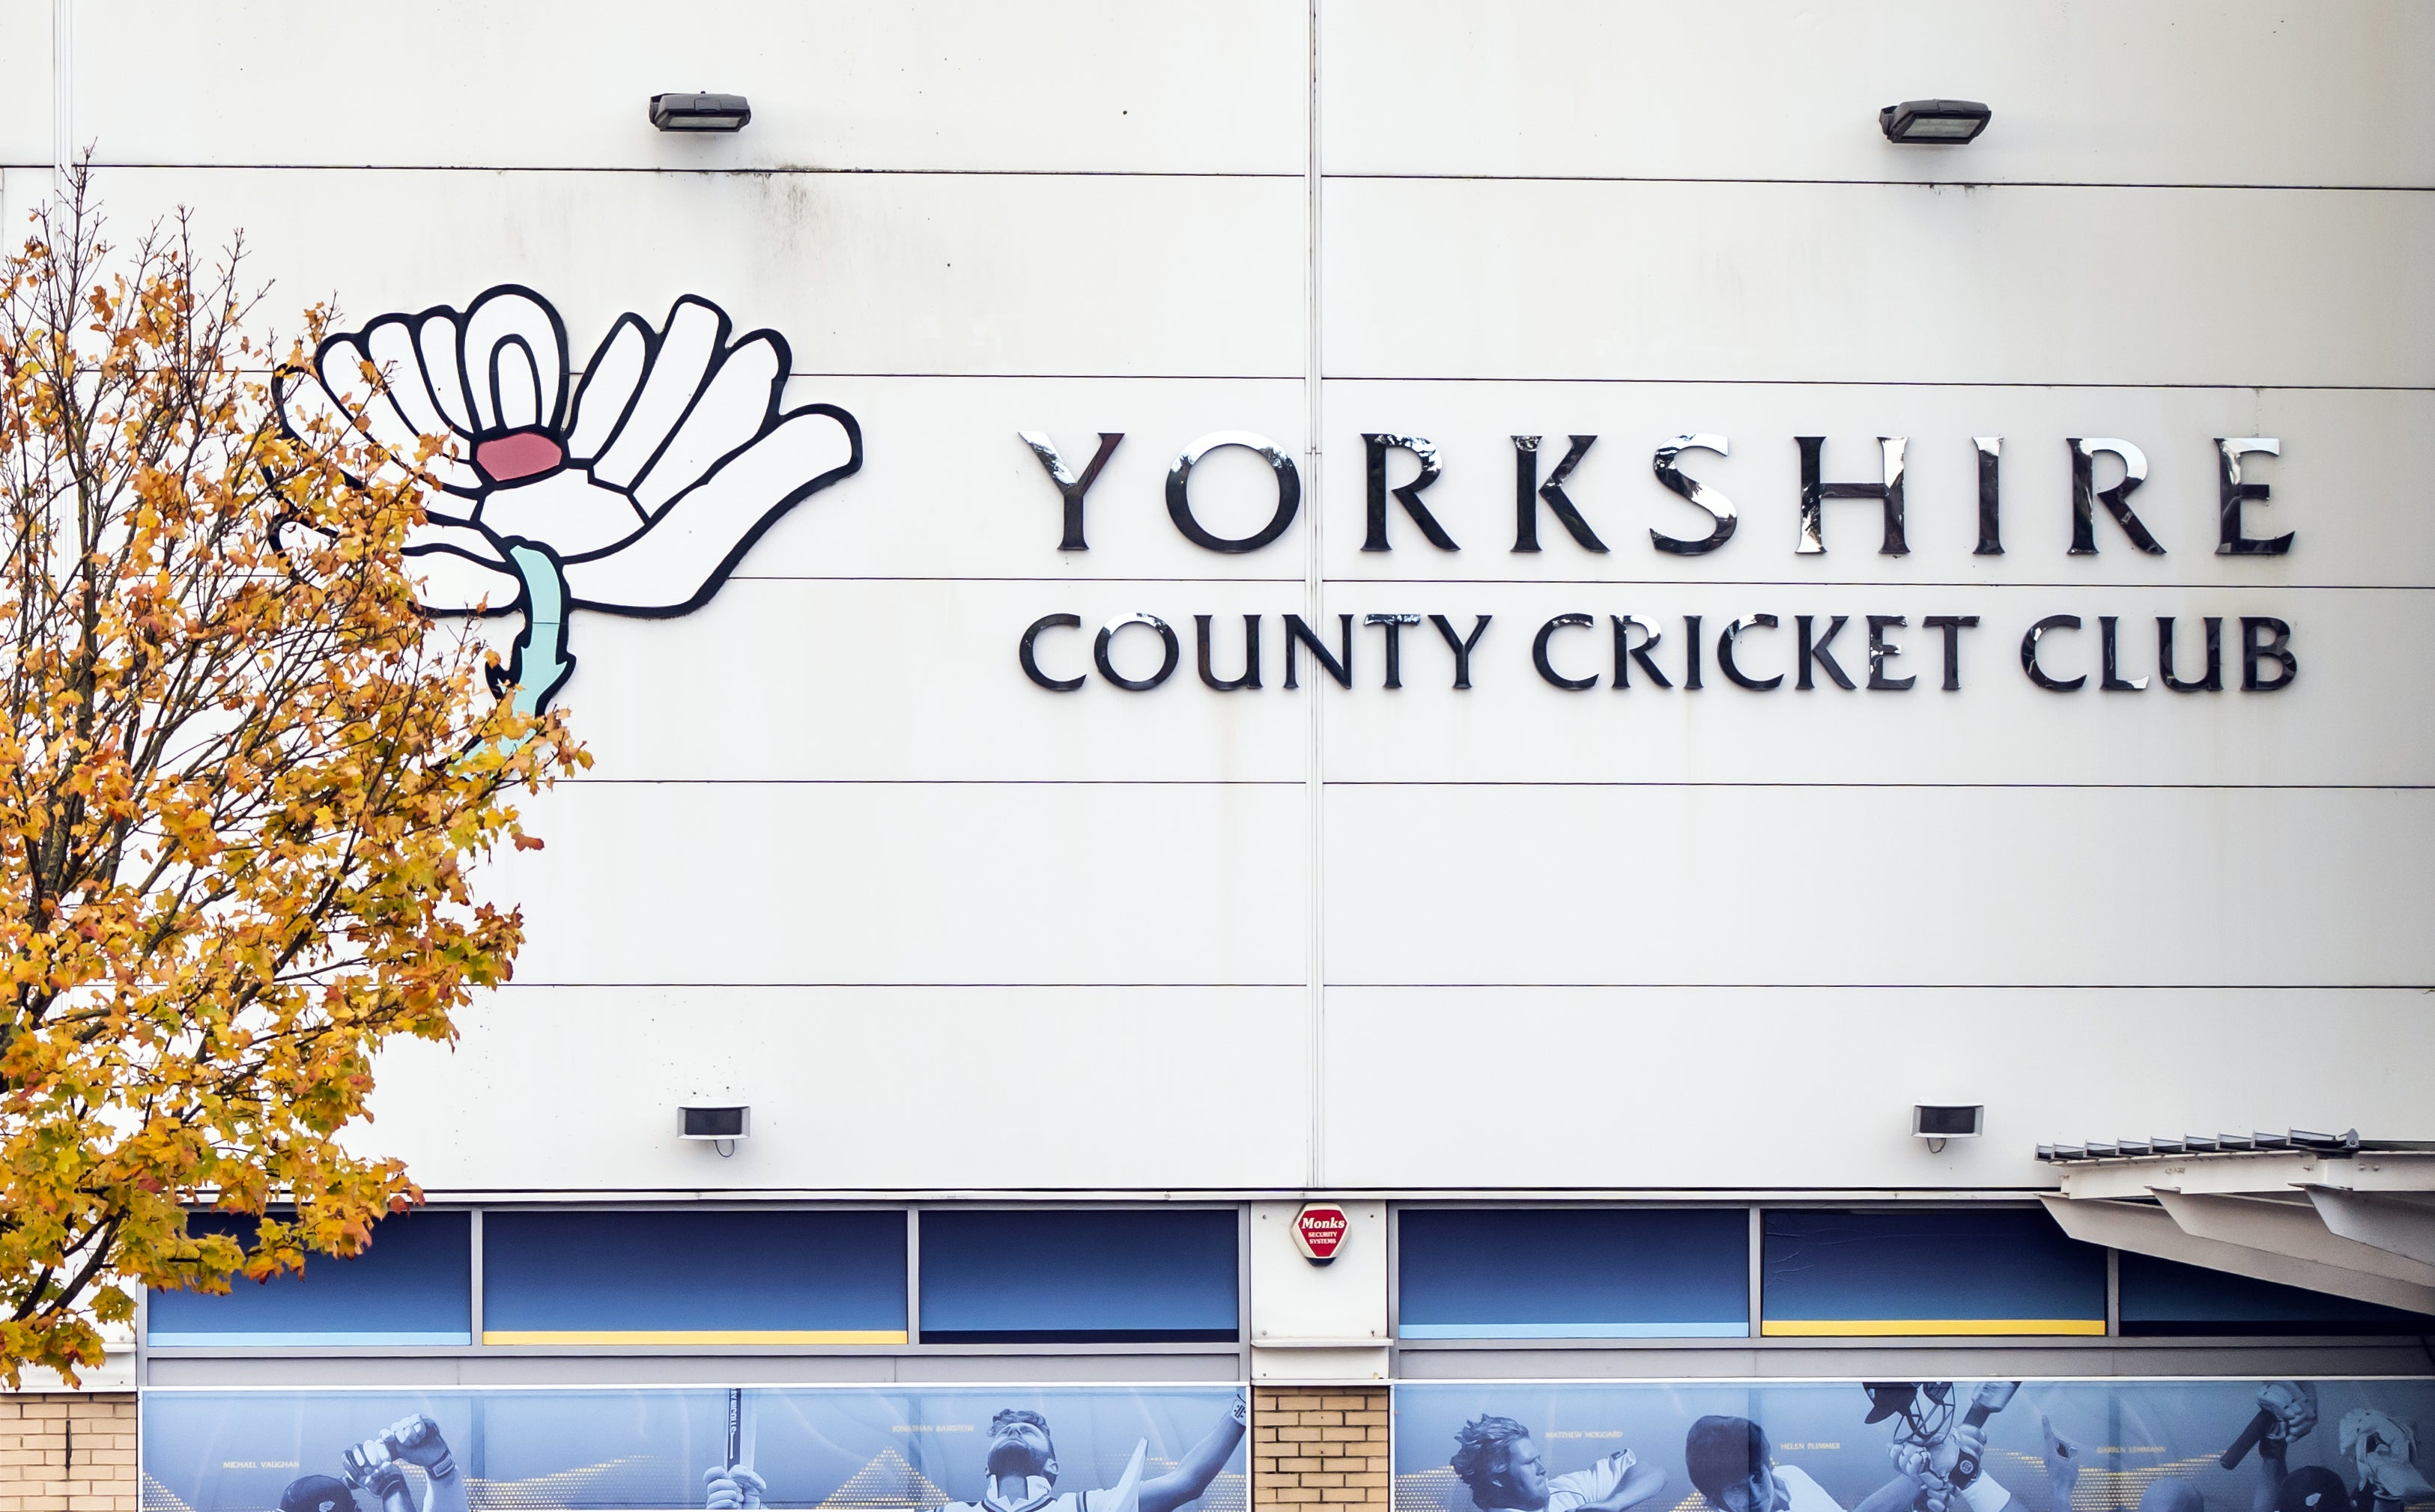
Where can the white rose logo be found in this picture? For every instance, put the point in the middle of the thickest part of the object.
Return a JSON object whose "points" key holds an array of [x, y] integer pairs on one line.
{"points": [[636, 492]]}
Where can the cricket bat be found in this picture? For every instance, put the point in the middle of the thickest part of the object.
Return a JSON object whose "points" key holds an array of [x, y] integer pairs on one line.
{"points": [[2258, 1428], [739, 1437], [1126, 1495]]}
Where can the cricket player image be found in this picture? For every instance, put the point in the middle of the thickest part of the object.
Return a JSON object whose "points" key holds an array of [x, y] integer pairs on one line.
{"points": [[2382, 1448], [1021, 1472], [1497, 1458], [1735, 1471], [377, 1466], [1936, 1460], [1937, 1450]]}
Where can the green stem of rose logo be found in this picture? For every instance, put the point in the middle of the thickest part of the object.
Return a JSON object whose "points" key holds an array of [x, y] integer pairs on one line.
{"points": [[540, 666]]}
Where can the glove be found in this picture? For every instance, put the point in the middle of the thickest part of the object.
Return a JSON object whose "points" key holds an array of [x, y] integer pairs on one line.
{"points": [[385, 1480], [2383, 1447], [732, 1487], [2294, 1406], [417, 1441]]}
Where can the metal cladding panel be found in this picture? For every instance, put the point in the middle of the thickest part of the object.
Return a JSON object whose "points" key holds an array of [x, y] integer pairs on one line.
{"points": [[1951, 887], [930, 274], [1895, 284], [871, 639], [1212, 86], [25, 83], [964, 498], [1689, 1087], [2240, 93], [853, 1088], [981, 883]]}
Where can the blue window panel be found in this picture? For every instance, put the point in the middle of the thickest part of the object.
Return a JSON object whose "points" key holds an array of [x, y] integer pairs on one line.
{"points": [[693, 1276], [414, 1285], [1577, 1273], [2164, 1296], [1928, 1271], [1166, 1276]]}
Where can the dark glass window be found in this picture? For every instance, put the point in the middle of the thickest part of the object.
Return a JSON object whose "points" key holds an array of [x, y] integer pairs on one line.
{"points": [[1928, 1271], [2164, 1296], [1572, 1272], [694, 1276], [414, 1285], [1065, 1276]]}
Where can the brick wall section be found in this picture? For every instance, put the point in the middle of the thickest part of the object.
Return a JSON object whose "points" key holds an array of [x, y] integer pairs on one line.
{"points": [[1319, 1447], [64, 1452]]}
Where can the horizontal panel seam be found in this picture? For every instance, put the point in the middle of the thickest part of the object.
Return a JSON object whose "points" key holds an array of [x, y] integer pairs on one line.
{"points": [[813, 170], [1925, 986], [1486, 782], [1664, 985], [1804, 583], [2193, 385], [1194, 986], [799, 374], [1881, 184], [991, 577], [667, 171]]}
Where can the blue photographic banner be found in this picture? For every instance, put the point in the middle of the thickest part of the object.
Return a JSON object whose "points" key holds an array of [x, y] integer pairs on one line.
{"points": [[1934, 1445], [1007, 1448]]}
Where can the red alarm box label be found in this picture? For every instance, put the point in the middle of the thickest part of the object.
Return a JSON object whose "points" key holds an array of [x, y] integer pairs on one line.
{"points": [[1318, 1231]]}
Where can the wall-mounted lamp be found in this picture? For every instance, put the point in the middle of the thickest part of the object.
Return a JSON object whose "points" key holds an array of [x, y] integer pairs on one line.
{"points": [[700, 113], [1945, 123], [1938, 1122], [720, 1124]]}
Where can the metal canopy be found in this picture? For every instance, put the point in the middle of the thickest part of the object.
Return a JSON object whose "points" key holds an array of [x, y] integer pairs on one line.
{"points": [[2329, 1213]]}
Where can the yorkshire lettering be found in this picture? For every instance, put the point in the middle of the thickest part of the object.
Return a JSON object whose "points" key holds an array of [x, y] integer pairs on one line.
{"points": [[1531, 493], [1590, 646]]}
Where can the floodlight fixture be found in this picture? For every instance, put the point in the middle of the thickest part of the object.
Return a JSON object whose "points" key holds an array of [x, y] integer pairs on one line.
{"points": [[700, 113], [1938, 1122], [1934, 123], [722, 1125]]}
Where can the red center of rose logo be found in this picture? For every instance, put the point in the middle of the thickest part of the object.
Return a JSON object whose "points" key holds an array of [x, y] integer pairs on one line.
{"points": [[1319, 1231], [521, 455]]}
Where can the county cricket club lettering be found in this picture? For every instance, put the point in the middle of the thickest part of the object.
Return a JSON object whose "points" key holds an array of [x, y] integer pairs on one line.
{"points": [[636, 492]]}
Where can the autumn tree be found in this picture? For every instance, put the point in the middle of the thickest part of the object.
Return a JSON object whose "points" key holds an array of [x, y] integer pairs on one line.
{"points": [[242, 783]]}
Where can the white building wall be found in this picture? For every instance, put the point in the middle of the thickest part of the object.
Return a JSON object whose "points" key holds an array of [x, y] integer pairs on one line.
{"points": [[946, 931]]}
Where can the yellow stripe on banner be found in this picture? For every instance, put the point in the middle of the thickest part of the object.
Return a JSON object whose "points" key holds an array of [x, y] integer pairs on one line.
{"points": [[694, 1337], [1803, 1328]]}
